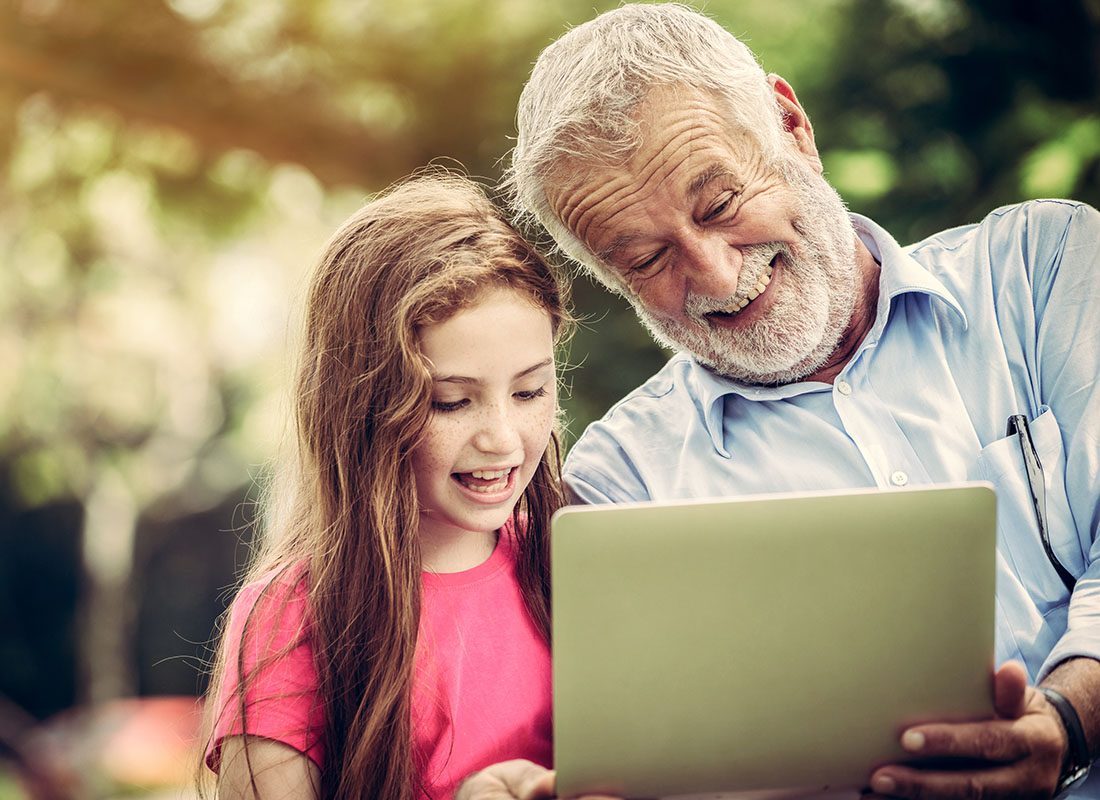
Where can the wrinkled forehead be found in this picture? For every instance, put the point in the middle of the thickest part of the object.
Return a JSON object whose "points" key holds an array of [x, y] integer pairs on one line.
{"points": [[599, 135], [682, 135]]}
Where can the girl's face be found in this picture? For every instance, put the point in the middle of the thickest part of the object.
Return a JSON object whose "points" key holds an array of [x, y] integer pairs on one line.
{"points": [[493, 402]]}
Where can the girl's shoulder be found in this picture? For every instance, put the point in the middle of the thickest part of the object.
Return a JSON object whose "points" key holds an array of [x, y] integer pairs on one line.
{"points": [[276, 600], [269, 684]]}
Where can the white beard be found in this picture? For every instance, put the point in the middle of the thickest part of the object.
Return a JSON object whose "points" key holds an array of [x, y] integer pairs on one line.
{"points": [[809, 312]]}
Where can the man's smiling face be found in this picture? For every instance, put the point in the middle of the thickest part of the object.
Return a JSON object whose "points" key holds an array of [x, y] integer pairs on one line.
{"points": [[747, 265]]}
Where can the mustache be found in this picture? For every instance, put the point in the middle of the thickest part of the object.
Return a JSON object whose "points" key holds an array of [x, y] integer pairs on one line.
{"points": [[755, 260]]}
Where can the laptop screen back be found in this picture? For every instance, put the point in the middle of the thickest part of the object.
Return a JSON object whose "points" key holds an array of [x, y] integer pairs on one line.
{"points": [[764, 642]]}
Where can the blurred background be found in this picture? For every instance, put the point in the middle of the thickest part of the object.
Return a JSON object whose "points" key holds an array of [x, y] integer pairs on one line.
{"points": [[170, 168]]}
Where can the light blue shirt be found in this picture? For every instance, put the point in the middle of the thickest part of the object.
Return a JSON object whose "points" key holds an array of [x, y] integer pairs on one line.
{"points": [[973, 325]]}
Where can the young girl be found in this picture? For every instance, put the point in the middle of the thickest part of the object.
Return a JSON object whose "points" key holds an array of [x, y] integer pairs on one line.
{"points": [[392, 635]]}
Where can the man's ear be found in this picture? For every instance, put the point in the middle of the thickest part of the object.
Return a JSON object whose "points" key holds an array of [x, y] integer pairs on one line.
{"points": [[795, 121]]}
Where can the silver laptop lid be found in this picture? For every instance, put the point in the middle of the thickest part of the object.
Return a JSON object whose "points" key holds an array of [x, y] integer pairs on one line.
{"points": [[767, 641]]}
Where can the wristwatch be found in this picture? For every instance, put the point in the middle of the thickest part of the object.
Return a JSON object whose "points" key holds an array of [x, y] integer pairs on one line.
{"points": [[1076, 767]]}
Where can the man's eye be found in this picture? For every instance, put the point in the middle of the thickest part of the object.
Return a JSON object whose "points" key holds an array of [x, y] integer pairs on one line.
{"points": [[648, 263], [454, 405], [721, 207]]}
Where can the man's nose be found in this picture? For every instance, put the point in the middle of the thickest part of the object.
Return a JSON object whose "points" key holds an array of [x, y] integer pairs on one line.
{"points": [[711, 266]]}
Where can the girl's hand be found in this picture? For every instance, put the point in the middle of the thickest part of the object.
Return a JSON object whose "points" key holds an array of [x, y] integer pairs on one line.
{"points": [[511, 780], [508, 780]]}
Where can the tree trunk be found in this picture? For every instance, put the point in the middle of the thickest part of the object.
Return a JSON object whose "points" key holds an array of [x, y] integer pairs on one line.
{"points": [[106, 669]]}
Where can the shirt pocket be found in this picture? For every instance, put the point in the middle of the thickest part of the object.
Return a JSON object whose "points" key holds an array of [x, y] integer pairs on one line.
{"points": [[1018, 539]]}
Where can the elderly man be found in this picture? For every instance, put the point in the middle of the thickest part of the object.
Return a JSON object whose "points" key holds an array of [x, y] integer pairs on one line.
{"points": [[816, 353]]}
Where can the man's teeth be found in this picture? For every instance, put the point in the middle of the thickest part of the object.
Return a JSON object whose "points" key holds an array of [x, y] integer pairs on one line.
{"points": [[761, 285], [753, 293]]}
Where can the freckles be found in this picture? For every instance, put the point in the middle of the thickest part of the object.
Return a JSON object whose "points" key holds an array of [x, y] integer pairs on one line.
{"points": [[537, 423], [438, 447]]}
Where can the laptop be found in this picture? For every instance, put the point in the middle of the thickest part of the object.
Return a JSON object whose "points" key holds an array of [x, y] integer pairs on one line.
{"points": [[720, 646]]}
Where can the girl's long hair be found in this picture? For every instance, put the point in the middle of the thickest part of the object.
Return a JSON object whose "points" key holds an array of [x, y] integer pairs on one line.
{"points": [[409, 258]]}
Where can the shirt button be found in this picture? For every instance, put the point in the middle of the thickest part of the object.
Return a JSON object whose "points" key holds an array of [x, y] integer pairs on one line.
{"points": [[899, 478], [844, 387]]}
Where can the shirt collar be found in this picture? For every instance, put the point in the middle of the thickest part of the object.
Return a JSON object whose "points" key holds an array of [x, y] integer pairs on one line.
{"points": [[710, 389], [900, 273]]}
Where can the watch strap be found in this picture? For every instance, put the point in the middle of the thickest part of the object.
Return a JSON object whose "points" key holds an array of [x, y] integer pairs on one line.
{"points": [[1077, 763]]}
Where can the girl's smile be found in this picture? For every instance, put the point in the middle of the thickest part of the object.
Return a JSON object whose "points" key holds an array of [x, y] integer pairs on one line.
{"points": [[488, 483]]}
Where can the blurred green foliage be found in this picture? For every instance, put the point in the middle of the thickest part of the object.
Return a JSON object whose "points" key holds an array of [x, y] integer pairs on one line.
{"points": [[171, 168], [934, 112]]}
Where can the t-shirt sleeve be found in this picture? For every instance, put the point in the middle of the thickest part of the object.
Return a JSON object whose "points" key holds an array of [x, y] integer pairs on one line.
{"points": [[1064, 264], [267, 641]]}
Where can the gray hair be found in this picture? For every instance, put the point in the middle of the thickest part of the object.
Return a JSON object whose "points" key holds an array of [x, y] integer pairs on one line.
{"points": [[579, 106]]}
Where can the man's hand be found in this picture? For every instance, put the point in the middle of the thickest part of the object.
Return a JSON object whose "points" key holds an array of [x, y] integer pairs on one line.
{"points": [[1020, 751]]}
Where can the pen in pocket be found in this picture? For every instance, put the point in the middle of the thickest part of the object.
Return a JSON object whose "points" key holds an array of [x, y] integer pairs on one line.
{"points": [[1018, 426]]}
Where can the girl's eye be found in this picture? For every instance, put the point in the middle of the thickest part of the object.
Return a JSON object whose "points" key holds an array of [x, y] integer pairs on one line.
{"points": [[439, 405], [531, 395]]}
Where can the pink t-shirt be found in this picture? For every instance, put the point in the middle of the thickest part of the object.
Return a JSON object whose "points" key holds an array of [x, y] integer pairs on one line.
{"points": [[482, 687]]}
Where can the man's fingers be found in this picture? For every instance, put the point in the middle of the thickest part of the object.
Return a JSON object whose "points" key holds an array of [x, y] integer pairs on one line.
{"points": [[1010, 690], [996, 758], [991, 740], [920, 784]]}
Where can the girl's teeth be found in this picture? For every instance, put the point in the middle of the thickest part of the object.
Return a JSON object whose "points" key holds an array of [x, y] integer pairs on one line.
{"points": [[495, 486], [487, 475], [492, 487], [485, 480]]}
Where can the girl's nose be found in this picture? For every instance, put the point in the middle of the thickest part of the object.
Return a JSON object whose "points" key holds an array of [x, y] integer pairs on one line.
{"points": [[498, 433]]}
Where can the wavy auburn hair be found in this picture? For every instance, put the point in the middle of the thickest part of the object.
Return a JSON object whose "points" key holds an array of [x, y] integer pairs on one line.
{"points": [[411, 257]]}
